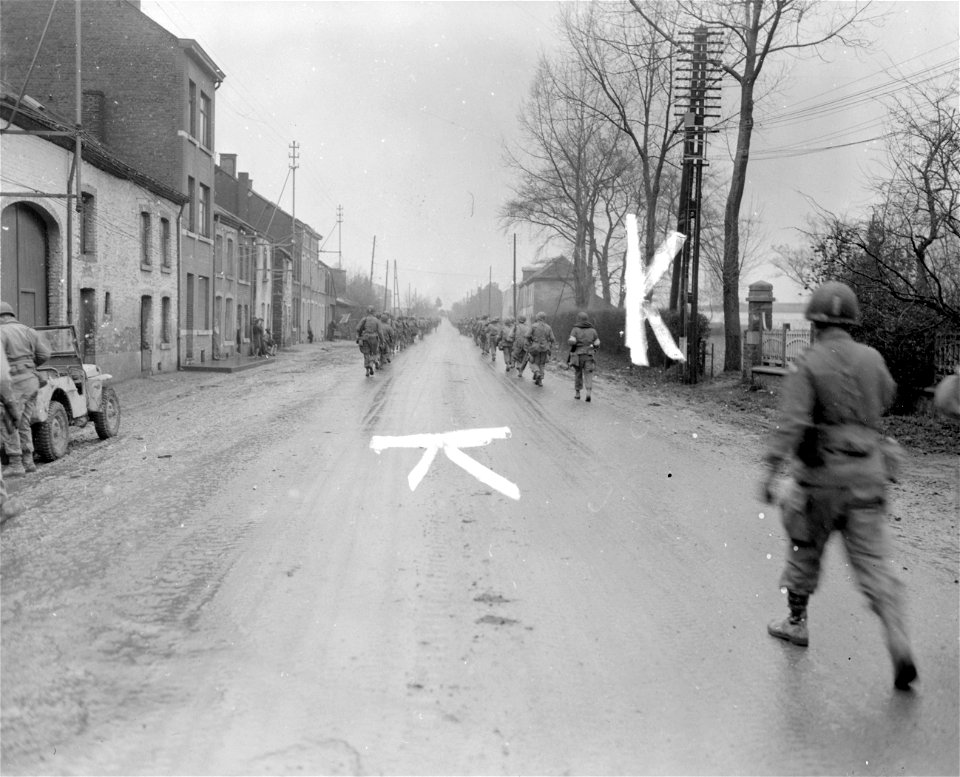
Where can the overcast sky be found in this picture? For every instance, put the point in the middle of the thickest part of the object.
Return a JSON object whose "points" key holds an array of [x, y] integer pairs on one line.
{"points": [[401, 109]]}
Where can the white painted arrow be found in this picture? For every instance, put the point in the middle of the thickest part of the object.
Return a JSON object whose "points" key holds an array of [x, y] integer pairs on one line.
{"points": [[451, 443]]}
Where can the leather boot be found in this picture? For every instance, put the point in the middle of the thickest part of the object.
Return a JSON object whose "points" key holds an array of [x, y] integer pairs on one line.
{"points": [[793, 628]]}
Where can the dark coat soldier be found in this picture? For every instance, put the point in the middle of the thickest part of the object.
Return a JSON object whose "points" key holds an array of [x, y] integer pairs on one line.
{"points": [[540, 342], [492, 334], [368, 338], [508, 335], [583, 342], [520, 355], [26, 350], [830, 432]]}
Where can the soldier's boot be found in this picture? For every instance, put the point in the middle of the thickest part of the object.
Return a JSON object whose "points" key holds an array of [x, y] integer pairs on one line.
{"points": [[793, 628], [576, 394], [588, 396], [904, 670], [28, 463], [14, 468]]}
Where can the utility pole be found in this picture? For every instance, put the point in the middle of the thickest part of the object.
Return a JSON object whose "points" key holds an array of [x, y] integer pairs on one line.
{"points": [[297, 299], [697, 98], [514, 275], [372, 254], [339, 237], [386, 280], [396, 289]]}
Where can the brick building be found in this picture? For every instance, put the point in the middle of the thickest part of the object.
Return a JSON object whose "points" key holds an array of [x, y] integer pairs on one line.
{"points": [[149, 97], [124, 311]]}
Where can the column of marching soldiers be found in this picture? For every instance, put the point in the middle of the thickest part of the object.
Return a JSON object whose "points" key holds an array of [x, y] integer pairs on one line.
{"points": [[522, 344], [384, 335]]}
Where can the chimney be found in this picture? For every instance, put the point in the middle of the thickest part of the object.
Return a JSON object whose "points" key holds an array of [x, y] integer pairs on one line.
{"points": [[92, 113], [228, 163]]}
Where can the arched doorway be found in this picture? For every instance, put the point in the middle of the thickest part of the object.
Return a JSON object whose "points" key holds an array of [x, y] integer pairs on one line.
{"points": [[25, 251]]}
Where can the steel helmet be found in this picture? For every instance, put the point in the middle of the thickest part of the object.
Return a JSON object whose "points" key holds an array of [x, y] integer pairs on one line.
{"points": [[833, 303], [508, 320], [581, 317], [522, 319], [541, 316], [6, 309]]}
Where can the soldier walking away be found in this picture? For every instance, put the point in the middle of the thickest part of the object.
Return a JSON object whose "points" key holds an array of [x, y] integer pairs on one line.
{"points": [[493, 335], [520, 355], [539, 344], [830, 432], [368, 338], [508, 334], [9, 507], [26, 350], [386, 338], [257, 336], [583, 342]]}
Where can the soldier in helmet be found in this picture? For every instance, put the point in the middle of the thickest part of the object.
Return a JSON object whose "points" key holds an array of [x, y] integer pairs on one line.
{"points": [[540, 342], [492, 333], [508, 333], [387, 339], [583, 342], [368, 338], [830, 434], [520, 355], [26, 350]]}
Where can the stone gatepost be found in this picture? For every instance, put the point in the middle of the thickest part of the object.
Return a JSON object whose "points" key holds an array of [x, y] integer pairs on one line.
{"points": [[759, 317]]}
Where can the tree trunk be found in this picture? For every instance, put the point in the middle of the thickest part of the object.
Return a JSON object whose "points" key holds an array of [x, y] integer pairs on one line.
{"points": [[731, 218]]}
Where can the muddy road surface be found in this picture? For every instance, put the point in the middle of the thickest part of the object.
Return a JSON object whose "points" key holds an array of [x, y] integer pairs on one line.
{"points": [[240, 584]]}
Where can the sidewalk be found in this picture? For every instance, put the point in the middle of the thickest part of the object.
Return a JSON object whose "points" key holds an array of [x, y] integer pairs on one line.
{"points": [[235, 363]]}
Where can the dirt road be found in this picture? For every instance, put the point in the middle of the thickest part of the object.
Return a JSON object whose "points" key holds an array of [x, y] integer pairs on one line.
{"points": [[240, 584]]}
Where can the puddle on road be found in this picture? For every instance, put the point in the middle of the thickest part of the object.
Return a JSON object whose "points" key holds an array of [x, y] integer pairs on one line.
{"points": [[489, 598]]}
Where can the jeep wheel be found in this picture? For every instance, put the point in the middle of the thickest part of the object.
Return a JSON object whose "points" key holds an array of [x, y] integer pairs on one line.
{"points": [[107, 419], [51, 437]]}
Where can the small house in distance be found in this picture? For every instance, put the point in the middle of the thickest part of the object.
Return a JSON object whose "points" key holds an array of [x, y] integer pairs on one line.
{"points": [[549, 288]]}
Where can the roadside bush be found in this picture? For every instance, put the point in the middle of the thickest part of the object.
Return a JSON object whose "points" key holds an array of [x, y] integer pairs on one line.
{"points": [[609, 325]]}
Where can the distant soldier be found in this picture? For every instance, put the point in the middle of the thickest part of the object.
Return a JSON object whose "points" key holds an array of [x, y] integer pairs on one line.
{"points": [[508, 335], [368, 338], [387, 337], [26, 350], [539, 345], [492, 333], [583, 342], [480, 334], [520, 355], [829, 431]]}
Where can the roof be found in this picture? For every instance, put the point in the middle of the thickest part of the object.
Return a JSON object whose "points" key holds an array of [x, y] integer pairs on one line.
{"points": [[92, 150], [558, 268]]}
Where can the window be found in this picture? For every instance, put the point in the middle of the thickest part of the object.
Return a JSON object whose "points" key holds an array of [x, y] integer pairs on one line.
{"points": [[228, 322], [88, 244], [165, 321], [145, 239], [165, 242], [203, 288], [206, 121], [203, 211], [192, 110], [192, 213], [107, 310], [218, 255], [231, 270]]}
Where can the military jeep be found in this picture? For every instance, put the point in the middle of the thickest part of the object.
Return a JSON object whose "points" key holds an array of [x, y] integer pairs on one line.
{"points": [[73, 394]]}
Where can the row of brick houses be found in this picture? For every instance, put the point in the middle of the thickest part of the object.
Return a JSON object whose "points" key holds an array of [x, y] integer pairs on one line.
{"points": [[167, 257]]}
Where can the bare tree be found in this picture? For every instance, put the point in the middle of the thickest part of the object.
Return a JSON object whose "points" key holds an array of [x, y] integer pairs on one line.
{"points": [[569, 159], [907, 246], [752, 237], [632, 69], [754, 32]]}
